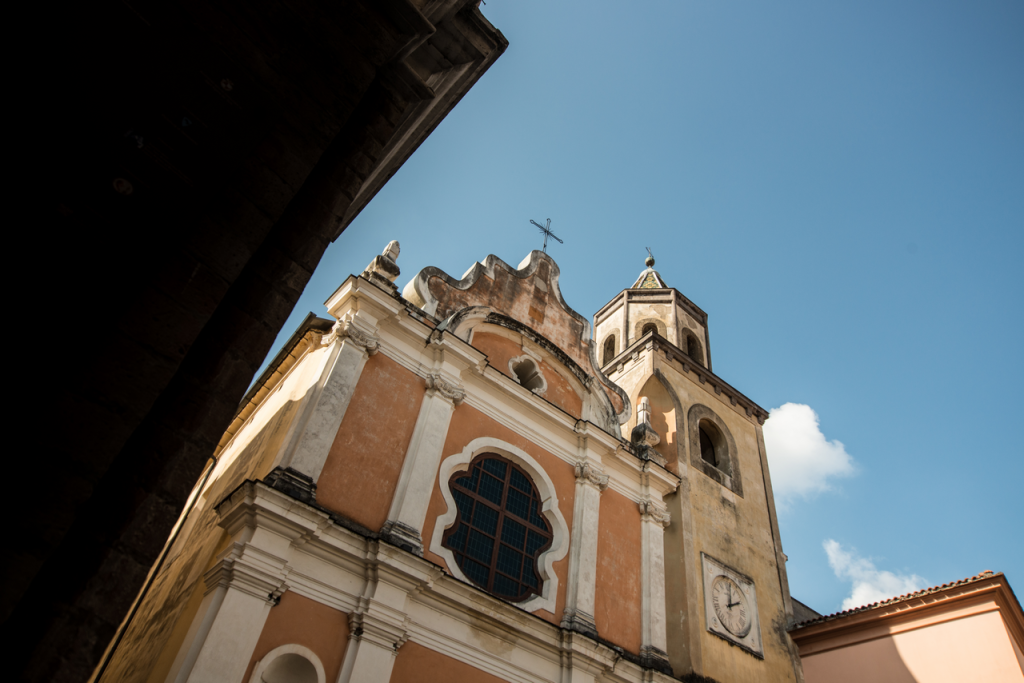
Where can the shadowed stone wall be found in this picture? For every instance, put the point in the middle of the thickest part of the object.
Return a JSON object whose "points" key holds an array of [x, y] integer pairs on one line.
{"points": [[202, 155]]}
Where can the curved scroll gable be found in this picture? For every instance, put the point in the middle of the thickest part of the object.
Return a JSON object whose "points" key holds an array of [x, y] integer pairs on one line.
{"points": [[529, 295]]}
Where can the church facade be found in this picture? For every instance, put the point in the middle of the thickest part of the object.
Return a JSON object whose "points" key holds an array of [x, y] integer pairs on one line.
{"points": [[468, 481]]}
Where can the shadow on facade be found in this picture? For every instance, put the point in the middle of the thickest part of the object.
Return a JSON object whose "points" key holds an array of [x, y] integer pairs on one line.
{"points": [[177, 587], [199, 158]]}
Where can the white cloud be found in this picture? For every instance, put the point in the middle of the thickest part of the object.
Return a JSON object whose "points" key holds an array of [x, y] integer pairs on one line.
{"points": [[870, 584], [802, 460]]}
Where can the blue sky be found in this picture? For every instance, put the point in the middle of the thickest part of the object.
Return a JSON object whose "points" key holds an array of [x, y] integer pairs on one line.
{"points": [[839, 185]]}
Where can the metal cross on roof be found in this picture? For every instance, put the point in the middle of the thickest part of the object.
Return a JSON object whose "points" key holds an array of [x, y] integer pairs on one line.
{"points": [[546, 230]]}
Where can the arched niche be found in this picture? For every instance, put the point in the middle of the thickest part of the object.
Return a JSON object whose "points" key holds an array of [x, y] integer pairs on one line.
{"points": [[289, 664], [666, 418], [692, 347], [608, 349], [727, 470]]}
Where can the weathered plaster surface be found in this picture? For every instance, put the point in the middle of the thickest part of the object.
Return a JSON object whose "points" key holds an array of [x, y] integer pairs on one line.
{"points": [[362, 469], [617, 607], [418, 664]]}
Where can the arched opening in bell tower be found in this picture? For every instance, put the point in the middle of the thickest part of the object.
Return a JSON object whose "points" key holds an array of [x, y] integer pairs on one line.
{"points": [[707, 446], [693, 348], [609, 350]]}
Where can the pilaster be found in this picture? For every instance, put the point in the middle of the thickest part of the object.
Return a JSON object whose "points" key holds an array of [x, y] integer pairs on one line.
{"points": [[404, 527], [241, 589], [654, 518], [582, 581], [348, 346]]}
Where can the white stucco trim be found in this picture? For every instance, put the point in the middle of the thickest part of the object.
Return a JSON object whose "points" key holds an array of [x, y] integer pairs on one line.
{"points": [[289, 649], [549, 508]]}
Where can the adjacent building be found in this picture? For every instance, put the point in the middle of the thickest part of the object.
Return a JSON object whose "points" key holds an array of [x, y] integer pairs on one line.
{"points": [[968, 630], [467, 481]]}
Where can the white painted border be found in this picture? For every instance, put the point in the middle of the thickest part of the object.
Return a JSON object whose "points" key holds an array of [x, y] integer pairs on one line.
{"points": [[549, 508], [289, 649]]}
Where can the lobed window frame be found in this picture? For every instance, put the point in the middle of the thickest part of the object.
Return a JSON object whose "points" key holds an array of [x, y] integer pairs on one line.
{"points": [[498, 533], [459, 463]]}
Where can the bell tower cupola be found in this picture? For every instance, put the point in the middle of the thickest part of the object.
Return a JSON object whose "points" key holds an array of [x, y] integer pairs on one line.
{"points": [[650, 307]]}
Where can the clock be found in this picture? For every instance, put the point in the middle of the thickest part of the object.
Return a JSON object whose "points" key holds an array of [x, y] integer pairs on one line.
{"points": [[731, 606], [730, 601]]}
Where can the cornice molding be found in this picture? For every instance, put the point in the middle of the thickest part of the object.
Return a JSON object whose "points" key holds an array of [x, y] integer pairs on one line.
{"points": [[326, 551], [704, 375]]}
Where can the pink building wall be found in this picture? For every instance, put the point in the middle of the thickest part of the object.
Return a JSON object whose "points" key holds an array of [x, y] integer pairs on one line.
{"points": [[971, 630]]}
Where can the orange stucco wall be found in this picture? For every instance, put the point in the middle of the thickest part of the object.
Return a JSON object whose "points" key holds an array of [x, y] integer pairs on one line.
{"points": [[617, 602], [500, 351], [362, 468], [417, 664], [301, 621], [468, 424]]}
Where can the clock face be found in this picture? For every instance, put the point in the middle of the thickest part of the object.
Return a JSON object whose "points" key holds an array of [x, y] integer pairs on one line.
{"points": [[731, 606]]}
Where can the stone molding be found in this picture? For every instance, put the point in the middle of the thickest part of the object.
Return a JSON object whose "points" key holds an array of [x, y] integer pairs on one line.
{"points": [[240, 570], [345, 329], [655, 658], [651, 511], [296, 484], [579, 621], [389, 634], [449, 391], [403, 536], [586, 473], [415, 596]]}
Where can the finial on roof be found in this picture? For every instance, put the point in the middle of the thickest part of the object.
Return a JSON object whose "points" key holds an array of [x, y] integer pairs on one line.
{"points": [[650, 278], [382, 269]]}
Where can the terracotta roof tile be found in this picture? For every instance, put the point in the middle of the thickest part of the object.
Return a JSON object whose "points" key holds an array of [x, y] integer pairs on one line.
{"points": [[987, 574]]}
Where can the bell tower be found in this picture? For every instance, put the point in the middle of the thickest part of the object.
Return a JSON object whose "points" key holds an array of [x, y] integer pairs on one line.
{"points": [[727, 595], [650, 305]]}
